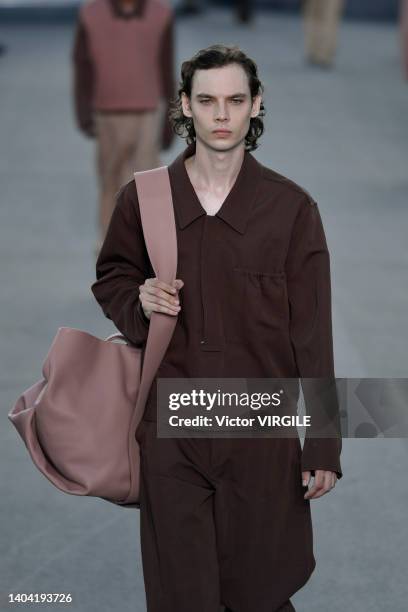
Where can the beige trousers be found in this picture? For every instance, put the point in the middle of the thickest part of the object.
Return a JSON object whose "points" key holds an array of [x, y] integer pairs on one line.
{"points": [[404, 35], [126, 143], [321, 21]]}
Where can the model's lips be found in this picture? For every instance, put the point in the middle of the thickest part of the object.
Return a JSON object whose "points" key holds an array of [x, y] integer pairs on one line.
{"points": [[222, 132]]}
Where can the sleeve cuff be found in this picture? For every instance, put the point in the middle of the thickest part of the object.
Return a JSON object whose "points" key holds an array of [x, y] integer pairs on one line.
{"points": [[322, 454]]}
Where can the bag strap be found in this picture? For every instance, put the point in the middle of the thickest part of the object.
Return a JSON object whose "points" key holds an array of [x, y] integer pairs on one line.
{"points": [[159, 230]]}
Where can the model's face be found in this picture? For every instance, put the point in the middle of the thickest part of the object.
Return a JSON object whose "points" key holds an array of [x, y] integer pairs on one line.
{"points": [[221, 106]]}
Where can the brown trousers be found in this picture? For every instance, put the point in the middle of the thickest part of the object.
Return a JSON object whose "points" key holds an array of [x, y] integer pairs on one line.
{"points": [[223, 522], [126, 143], [321, 21]]}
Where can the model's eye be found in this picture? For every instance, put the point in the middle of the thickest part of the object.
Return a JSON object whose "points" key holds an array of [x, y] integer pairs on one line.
{"points": [[237, 101], [204, 101]]}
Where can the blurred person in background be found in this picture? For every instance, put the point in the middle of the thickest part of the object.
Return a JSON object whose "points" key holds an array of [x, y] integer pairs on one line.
{"points": [[404, 35], [243, 9], [189, 7], [321, 22], [123, 84]]}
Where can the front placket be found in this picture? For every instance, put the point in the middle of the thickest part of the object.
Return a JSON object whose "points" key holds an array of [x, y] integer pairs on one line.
{"points": [[211, 329]]}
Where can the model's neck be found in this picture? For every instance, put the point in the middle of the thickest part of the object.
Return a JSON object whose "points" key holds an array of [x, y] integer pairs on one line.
{"points": [[215, 170]]}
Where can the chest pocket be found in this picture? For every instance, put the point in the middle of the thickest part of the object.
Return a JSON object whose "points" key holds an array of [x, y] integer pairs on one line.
{"points": [[258, 304]]}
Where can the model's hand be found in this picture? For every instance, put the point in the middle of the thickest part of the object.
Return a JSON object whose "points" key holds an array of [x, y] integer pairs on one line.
{"points": [[158, 296], [324, 481]]}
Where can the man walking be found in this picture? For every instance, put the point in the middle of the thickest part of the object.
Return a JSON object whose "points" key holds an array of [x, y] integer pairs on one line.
{"points": [[226, 521], [123, 77], [321, 23], [403, 26]]}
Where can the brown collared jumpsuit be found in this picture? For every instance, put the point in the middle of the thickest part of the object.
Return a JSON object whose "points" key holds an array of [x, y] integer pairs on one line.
{"points": [[224, 521]]}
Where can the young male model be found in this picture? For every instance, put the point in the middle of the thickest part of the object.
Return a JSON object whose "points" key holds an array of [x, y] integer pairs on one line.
{"points": [[123, 76], [226, 521]]}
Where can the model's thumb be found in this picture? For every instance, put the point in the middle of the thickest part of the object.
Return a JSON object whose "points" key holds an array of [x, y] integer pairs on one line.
{"points": [[178, 283]]}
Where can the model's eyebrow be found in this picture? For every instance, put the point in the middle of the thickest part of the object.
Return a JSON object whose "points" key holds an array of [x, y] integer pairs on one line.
{"points": [[236, 95]]}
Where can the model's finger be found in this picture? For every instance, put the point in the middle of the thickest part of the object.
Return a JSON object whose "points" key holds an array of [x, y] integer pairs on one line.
{"points": [[178, 283], [156, 292], [161, 298], [324, 484], [162, 302], [325, 489], [314, 492], [155, 282], [154, 300], [318, 485], [328, 480], [160, 308]]}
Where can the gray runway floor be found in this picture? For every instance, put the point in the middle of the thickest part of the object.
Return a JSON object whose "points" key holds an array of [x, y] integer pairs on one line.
{"points": [[343, 135]]}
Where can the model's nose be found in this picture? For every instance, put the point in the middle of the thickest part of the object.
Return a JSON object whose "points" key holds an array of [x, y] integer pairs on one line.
{"points": [[221, 112]]}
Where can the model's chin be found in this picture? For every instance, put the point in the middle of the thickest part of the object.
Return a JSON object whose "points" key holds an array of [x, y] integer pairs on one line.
{"points": [[216, 143], [224, 143]]}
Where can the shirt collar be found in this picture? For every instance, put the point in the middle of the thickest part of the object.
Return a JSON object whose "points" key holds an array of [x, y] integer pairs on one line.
{"points": [[237, 206]]}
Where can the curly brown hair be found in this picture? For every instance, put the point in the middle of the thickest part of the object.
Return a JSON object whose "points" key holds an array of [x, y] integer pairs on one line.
{"points": [[216, 56]]}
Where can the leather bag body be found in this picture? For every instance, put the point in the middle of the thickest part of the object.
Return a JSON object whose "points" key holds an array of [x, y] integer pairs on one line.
{"points": [[79, 421]]}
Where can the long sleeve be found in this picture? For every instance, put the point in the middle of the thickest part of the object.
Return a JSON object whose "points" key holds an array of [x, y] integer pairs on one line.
{"points": [[83, 81], [309, 294], [167, 79], [122, 266]]}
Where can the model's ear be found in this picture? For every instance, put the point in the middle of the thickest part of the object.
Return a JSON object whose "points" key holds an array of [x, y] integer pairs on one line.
{"points": [[185, 104], [256, 105]]}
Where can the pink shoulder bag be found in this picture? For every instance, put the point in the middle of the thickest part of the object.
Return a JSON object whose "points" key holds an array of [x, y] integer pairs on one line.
{"points": [[79, 421]]}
